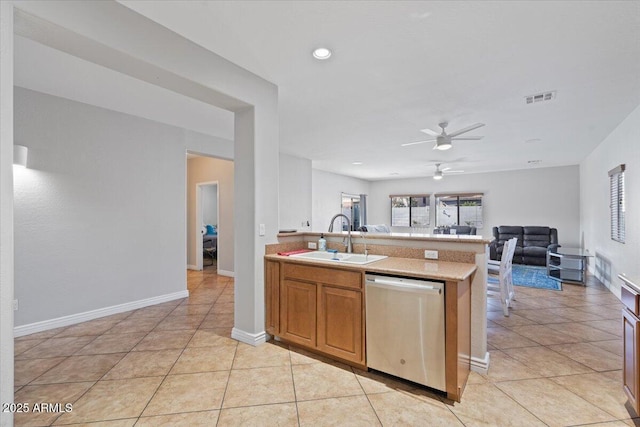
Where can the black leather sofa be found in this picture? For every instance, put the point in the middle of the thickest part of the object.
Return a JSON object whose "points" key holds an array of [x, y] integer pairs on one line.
{"points": [[533, 243]]}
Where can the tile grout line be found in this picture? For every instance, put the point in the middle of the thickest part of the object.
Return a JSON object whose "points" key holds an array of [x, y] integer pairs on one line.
{"points": [[366, 395], [226, 386], [293, 382]]}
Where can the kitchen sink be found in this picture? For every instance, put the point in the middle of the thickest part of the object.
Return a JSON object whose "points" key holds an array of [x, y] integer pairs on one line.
{"points": [[360, 259]]}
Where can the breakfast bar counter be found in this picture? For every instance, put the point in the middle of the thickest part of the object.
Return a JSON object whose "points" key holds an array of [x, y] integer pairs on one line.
{"points": [[409, 267]]}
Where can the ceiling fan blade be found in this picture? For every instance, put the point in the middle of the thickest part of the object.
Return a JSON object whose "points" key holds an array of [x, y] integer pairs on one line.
{"points": [[467, 138], [430, 132], [467, 129], [417, 142], [445, 169], [450, 171]]}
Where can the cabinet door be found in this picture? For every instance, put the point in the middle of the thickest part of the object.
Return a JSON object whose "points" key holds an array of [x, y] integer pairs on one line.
{"points": [[298, 312], [630, 369], [340, 323], [272, 297]]}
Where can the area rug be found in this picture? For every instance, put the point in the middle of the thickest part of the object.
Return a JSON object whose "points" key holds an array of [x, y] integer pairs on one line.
{"points": [[534, 277]]}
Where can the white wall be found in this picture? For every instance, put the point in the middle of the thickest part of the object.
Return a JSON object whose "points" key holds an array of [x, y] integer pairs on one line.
{"points": [[326, 196], [612, 258], [295, 192], [142, 48], [545, 196], [6, 209], [209, 204], [99, 212], [207, 169]]}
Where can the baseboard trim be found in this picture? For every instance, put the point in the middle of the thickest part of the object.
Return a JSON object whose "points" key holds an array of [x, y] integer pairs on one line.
{"points": [[72, 319], [480, 366], [226, 273], [248, 338], [193, 267]]}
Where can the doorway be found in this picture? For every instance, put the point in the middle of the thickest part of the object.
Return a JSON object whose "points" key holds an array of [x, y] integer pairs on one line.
{"points": [[354, 206], [207, 214]]}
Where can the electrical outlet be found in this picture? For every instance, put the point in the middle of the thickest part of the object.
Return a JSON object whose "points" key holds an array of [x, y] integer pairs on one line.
{"points": [[15, 305], [312, 245], [431, 254]]}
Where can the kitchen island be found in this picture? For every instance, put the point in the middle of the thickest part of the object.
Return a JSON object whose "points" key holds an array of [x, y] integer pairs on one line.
{"points": [[450, 248], [319, 305]]}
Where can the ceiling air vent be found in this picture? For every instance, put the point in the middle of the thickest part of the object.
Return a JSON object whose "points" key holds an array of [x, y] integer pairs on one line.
{"points": [[540, 97]]}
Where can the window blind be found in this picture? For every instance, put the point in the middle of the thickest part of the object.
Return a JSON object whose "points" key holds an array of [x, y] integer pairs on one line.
{"points": [[617, 203]]}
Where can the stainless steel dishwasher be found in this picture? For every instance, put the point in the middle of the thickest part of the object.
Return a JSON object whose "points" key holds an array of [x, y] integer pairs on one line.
{"points": [[405, 328]]}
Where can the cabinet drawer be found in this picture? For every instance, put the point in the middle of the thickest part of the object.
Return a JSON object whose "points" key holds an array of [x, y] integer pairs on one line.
{"points": [[348, 279], [630, 298]]}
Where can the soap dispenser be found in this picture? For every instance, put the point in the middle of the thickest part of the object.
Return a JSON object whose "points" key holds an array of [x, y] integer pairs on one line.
{"points": [[322, 243]]}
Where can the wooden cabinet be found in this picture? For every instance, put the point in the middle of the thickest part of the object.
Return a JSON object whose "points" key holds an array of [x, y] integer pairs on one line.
{"points": [[316, 307], [458, 336], [272, 296], [630, 296], [340, 323], [298, 312], [630, 365]]}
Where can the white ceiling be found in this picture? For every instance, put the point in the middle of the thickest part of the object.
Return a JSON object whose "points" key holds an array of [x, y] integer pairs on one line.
{"points": [[397, 67]]}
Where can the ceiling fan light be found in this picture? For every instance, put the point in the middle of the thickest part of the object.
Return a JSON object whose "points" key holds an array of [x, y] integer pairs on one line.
{"points": [[442, 144], [438, 175]]}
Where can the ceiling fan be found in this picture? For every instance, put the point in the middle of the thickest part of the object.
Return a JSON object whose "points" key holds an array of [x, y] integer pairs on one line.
{"points": [[439, 172], [443, 139]]}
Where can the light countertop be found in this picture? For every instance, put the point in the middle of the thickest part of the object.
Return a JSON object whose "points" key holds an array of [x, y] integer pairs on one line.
{"points": [[632, 282], [419, 268], [397, 236]]}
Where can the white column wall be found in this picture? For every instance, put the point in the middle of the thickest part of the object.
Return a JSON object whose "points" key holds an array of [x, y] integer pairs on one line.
{"points": [[295, 193], [6, 209]]}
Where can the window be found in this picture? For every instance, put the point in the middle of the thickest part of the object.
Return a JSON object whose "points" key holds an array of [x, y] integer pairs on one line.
{"points": [[459, 209], [617, 203], [410, 211]]}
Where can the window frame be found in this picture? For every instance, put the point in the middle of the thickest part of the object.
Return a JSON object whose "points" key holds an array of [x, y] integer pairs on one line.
{"points": [[459, 196], [411, 197], [617, 204]]}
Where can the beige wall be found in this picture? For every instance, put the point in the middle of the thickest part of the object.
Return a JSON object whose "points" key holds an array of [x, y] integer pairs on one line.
{"points": [[207, 169]]}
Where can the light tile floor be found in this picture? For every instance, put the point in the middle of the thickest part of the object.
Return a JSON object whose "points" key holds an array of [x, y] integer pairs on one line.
{"points": [[555, 361]]}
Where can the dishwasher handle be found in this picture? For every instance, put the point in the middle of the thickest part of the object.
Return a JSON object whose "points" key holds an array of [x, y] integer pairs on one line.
{"points": [[388, 282]]}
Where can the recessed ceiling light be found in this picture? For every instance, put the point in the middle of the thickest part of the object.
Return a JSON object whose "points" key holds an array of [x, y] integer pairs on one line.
{"points": [[534, 162], [532, 140], [356, 163], [321, 53], [394, 173]]}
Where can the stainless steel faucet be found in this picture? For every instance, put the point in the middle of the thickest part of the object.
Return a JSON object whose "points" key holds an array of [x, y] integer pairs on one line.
{"points": [[364, 240], [348, 245]]}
